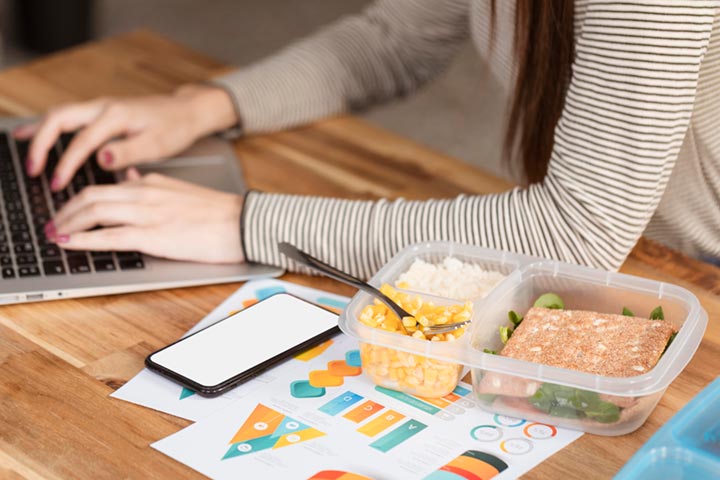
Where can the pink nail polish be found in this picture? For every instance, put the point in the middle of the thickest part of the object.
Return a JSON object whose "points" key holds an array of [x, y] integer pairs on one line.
{"points": [[28, 164], [107, 158], [49, 228], [55, 184], [62, 239]]}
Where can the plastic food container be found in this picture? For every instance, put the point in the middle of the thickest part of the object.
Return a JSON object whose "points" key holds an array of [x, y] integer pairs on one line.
{"points": [[688, 446], [581, 288], [416, 366]]}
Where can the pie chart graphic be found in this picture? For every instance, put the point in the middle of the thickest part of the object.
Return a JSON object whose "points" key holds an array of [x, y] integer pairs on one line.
{"points": [[471, 465]]}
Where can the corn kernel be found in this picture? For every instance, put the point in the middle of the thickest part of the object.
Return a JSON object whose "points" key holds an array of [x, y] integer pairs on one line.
{"points": [[415, 374]]}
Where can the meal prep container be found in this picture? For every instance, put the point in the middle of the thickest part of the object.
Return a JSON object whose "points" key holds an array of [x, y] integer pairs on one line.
{"points": [[401, 362], [581, 288], [688, 446]]}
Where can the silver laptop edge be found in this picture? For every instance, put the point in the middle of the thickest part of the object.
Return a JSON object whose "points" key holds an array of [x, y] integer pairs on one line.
{"points": [[211, 163]]}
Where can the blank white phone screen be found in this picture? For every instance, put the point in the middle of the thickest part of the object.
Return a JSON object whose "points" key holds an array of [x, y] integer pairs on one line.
{"points": [[246, 339]]}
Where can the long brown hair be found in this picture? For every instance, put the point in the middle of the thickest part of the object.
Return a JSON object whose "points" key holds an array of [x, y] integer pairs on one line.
{"points": [[544, 45]]}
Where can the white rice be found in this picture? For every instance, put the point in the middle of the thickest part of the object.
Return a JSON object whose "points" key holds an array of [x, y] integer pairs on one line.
{"points": [[451, 279]]}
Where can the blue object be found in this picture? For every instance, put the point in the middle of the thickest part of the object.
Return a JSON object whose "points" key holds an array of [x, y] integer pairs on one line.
{"points": [[266, 292], [686, 447], [352, 358], [340, 403], [331, 302], [303, 389]]}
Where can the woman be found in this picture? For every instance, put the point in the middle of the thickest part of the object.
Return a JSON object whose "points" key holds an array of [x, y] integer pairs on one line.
{"points": [[612, 122]]}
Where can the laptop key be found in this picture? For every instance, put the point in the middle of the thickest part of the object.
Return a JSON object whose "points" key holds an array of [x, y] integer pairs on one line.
{"points": [[24, 248], [41, 220], [16, 217], [129, 255], [102, 177], [66, 138], [29, 271], [101, 254], [14, 206], [22, 148], [78, 264], [80, 180], [26, 259], [5, 260], [53, 267], [19, 227], [50, 251], [8, 272], [21, 237], [131, 263], [4, 248], [104, 264]]}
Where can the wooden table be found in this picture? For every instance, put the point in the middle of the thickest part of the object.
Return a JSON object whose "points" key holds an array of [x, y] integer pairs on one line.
{"points": [[60, 360]]}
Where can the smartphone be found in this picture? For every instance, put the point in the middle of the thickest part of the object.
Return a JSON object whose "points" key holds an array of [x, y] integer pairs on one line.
{"points": [[217, 358]]}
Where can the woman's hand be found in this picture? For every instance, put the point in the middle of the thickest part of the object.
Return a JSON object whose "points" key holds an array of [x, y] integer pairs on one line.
{"points": [[126, 132], [153, 214]]}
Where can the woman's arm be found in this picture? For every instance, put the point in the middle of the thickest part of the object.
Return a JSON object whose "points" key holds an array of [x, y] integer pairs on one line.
{"points": [[627, 110], [387, 51]]}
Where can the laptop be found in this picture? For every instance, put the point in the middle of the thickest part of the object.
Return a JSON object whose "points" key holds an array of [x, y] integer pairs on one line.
{"points": [[34, 269]]}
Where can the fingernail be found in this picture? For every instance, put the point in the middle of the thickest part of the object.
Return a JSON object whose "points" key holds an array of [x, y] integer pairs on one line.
{"points": [[107, 157], [62, 239], [55, 183], [49, 228], [28, 164], [18, 130]]}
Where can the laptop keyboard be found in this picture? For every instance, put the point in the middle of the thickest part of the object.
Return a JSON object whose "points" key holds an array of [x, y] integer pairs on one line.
{"points": [[28, 204]]}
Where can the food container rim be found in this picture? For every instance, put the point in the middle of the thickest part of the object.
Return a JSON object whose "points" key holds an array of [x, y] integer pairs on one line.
{"points": [[462, 351]]}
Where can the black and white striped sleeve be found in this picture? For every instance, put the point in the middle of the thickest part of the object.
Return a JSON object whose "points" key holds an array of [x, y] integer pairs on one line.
{"points": [[387, 51], [627, 110]]}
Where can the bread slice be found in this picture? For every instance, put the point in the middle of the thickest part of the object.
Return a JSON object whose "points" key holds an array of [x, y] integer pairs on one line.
{"points": [[599, 343]]}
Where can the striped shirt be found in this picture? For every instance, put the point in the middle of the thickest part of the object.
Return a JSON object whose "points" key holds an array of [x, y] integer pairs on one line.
{"points": [[636, 149]]}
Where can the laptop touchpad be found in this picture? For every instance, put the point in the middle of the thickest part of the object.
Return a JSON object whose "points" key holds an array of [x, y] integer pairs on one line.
{"points": [[212, 172]]}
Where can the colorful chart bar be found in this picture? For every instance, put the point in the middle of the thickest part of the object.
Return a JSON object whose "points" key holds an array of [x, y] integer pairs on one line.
{"points": [[409, 399], [471, 465], [377, 425], [264, 293], [366, 410], [342, 369], [340, 403], [331, 302], [353, 359], [452, 397], [323, 378], [396, 437], [303, 389], [461, 391], [438, 402], [315, 351]]}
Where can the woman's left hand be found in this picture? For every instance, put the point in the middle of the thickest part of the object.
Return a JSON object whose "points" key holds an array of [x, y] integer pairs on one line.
{"points": [[153, 214]]}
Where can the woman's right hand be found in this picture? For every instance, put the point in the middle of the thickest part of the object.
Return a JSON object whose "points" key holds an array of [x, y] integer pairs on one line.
{"points": [[126, 132]]}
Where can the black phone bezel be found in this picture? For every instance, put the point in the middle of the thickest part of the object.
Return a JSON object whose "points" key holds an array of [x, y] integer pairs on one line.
{"points": [[222, 387]]}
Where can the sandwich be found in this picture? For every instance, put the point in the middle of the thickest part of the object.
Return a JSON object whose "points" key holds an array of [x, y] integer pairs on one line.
{"points": [[603, 344]]}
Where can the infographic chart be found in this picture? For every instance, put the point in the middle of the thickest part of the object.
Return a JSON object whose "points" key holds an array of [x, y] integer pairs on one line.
{"points": [[318, 417], [267, 428], [306, 425]]}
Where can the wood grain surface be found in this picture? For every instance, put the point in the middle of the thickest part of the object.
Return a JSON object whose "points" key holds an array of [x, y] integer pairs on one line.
{"points": [[60, 360]]}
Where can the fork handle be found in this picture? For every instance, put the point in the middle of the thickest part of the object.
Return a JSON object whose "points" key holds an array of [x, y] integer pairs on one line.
{"points": [[308, 260]]}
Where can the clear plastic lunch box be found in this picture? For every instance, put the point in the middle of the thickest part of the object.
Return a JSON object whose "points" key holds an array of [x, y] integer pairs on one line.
{"points": [[581, 288]]}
